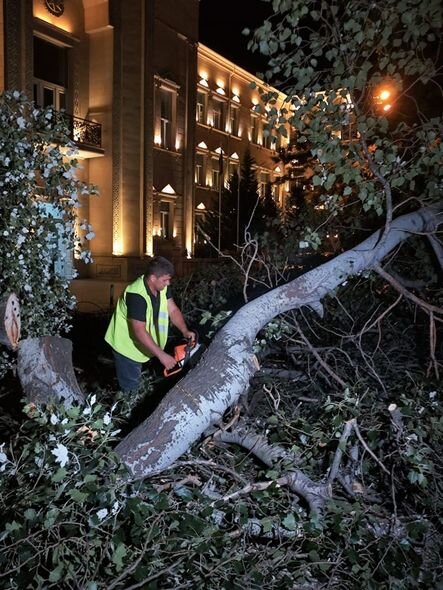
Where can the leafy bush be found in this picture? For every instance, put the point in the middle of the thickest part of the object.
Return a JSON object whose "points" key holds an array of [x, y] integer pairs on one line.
{"points": [[206, 293], [39, 199]]}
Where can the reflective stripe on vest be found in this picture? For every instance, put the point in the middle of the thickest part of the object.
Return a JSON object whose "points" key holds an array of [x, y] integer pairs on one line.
{"points": [[118, 334]]}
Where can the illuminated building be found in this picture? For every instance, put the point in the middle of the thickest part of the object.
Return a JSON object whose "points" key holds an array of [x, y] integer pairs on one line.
{"points": [[150, 111]]}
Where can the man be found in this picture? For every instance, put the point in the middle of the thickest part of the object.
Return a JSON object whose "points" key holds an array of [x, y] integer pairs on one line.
{"points": [[138, 329]]}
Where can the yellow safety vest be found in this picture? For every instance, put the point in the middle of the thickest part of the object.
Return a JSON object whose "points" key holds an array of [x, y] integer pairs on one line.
{"points": [[118, 334]]}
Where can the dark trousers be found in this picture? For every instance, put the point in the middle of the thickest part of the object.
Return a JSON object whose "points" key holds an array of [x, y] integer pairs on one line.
{"points": [[128, 372]]}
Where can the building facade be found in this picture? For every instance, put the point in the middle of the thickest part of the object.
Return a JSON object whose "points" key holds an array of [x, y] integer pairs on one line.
{"points": [[160, 121]]}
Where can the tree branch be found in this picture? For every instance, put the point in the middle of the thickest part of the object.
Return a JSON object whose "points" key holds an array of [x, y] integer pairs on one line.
{"points": [[223, 373], [438, 248], [316, 494], [398, 287]]}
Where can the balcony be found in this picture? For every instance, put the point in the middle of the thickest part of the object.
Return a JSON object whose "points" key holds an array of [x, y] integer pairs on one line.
{"points": [[86, 134]]}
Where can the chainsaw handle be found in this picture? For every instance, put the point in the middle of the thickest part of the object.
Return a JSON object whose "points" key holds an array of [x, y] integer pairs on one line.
{"points": [[182, 353], [175, 369], [192, 340]]}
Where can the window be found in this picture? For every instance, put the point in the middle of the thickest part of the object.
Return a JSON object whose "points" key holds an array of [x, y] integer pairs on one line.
{"points": [[267, 137], [218, 109], [234, 116], [254, 129], [50, 74], [232, 168], [165, 219], [264, 179], [166, 119], [216, 169], [199, 223], [201, 108], [200, 170]]}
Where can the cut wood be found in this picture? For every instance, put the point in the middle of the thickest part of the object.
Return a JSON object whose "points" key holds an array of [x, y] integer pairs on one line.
{"points": [[44, 367], [9, 320]]}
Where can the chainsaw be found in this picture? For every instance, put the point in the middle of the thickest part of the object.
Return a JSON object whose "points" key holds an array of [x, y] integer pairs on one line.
{"points": [[183, 353]]}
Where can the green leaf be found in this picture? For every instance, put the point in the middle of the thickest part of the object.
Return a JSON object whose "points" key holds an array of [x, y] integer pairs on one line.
{"points": [[289, 522], [77, 495], [267, 524], [59, 475], [118, 555], [30, 514], [13, 526], [56, 573]]}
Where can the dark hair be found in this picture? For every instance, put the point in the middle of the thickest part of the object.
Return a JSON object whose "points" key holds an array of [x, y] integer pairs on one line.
{"points": [[159, 266]]}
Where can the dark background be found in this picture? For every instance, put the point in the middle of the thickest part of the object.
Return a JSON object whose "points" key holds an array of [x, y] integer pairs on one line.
{"points": [[221, 26]]}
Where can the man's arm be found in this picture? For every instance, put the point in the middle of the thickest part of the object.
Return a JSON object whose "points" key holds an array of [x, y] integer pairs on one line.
{"points": [[176, 317], [145, 339]]}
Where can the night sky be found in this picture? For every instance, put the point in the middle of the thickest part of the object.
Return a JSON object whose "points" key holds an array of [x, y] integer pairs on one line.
{"points": [[221, 25]]}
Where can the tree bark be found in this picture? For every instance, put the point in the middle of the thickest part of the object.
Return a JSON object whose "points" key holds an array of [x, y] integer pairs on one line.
{"points": [[200, 399], [9, 320], [44, 367]]}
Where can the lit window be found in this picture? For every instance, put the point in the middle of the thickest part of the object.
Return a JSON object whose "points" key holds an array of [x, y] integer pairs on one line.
{"points": [[234, 117], [199, 222], [216, 173], [199, 170], [201, 108], [264, 179], [233, 169], [254, 129], [267, 137], [165, 219], [218, 114], [166, 118]]}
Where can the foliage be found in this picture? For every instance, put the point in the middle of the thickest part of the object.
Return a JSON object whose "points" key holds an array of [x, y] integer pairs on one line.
{"points": [[40, 196], [214, 289], [70, 519], [333, 59]]}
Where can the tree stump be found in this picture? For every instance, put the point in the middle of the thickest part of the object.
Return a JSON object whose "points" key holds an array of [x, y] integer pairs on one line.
{"points": [[44, 367], [10, 320]]}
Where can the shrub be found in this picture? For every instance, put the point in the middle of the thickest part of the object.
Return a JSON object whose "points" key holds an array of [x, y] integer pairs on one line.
{"points": [[39, 199]]}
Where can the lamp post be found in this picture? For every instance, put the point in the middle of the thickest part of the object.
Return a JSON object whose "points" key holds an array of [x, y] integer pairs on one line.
{"points": [[238, 208], [220, 184]]}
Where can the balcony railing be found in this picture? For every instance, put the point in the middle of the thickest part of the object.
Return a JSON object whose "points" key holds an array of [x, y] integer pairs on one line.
{"points": [[86, 134]]}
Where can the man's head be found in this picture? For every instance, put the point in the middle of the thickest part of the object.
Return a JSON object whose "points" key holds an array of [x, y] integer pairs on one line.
{"points": [[159, 272]]}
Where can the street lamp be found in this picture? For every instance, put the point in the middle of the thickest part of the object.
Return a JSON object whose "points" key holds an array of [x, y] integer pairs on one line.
{"points": [[384, 96]]}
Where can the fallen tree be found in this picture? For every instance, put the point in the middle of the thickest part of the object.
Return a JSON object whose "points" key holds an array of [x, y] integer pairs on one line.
{"points": [[201, 398]]}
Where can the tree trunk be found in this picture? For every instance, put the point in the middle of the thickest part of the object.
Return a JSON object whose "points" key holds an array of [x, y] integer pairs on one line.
{"points": [[9, 320], [45, 370], [203, 395]]}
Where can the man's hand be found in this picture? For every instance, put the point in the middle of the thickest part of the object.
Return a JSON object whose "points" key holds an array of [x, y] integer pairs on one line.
{"points": [[167, 360], [191, 336]]}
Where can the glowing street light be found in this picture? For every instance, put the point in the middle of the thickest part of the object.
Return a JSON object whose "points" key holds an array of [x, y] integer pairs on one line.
{"points": [[382, 95]]}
